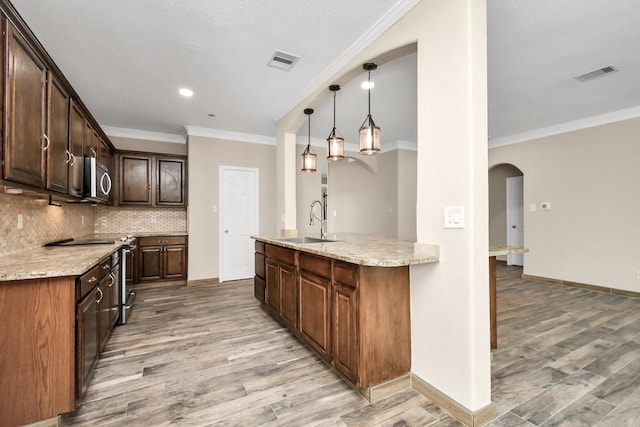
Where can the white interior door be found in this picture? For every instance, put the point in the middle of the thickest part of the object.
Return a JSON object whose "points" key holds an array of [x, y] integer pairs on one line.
{"points": [[515, 218], [238, 221]]}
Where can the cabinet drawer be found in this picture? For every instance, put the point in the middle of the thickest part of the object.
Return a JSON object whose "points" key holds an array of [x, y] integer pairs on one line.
{"points": [[346, 273], [162, 241], [90, 279], [284, 255], [260, 247], [317, 265]]}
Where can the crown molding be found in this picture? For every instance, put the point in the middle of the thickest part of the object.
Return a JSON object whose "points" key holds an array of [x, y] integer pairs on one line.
{"points": [[143, 134], [229, 135], [603, 119]]}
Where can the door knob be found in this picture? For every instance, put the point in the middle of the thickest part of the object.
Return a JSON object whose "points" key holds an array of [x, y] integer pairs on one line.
{"points": [[226, 231], [513, 226]]}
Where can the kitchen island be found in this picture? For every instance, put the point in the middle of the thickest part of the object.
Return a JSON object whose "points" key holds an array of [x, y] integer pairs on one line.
{"points": [[346, 299]]}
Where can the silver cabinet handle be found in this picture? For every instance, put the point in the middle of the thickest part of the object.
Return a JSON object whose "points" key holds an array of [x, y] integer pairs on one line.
{"points": [[73, 159], [93, 152], [93, 279], [101, 295], [68, 156], [106, 266], [46, 140], [113, 279]]}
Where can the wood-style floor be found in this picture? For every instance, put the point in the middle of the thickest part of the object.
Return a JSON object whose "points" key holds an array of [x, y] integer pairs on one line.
{"points": [[208, 355]]}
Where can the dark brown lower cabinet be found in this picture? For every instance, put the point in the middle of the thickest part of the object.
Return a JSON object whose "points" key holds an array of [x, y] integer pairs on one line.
{"points": [[162, 258], [355, 317], [88, 337], [281, 293]]}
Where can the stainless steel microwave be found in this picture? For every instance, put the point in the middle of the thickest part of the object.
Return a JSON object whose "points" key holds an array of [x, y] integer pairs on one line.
{"points": [[97, 182]]}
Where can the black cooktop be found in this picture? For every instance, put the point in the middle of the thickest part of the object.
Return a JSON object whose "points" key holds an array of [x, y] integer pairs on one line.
{"points": [[78, 242]]}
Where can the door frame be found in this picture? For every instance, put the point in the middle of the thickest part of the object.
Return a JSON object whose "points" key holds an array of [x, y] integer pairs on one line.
{"points": [[221, 170], [515, 259]]}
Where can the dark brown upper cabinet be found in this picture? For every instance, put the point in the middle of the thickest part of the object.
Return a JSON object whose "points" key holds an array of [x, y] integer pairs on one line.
{"points": [[58, 155], [148, 179], [25, 139]]}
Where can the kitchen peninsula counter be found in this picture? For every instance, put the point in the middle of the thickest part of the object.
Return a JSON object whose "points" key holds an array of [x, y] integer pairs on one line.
{"points": [[364, 249]]}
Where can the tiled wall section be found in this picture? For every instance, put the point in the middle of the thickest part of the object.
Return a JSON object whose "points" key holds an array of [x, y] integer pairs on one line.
{"points": [[137, 220], [42, 223]]}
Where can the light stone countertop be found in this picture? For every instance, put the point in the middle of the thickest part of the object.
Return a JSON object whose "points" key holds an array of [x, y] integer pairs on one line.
{"points": [[496, 250], [375, 251], [60, 261]]}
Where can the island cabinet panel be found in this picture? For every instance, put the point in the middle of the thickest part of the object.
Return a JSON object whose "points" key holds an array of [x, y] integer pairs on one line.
{"points": [[345, 331], [384, 325], [281, 294], [259, 281], [315, 319], [37, 342]]}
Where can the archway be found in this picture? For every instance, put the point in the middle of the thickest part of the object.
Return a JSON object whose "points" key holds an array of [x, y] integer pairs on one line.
{"points": [[498, 207]]}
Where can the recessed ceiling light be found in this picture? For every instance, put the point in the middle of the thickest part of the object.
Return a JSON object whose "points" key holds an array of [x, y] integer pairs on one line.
{"points": [[367, 85], [185, 92]]}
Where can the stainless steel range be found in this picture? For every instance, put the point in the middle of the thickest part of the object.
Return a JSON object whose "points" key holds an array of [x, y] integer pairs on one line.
{"points": [[125, 255]]}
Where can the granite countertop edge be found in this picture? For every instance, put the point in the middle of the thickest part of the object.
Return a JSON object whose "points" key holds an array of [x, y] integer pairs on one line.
{"points": [[367, 250]]}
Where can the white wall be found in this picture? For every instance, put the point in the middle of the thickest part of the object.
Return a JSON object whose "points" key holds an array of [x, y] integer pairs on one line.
{"points": [[206, 155], [592, 232]]}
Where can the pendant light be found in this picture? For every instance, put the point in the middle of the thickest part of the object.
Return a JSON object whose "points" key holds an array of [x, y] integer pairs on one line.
{"points": [[369, 132], [335, 143], [309, 158]]}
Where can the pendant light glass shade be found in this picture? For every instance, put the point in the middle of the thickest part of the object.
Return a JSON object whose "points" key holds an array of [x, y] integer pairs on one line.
{"points": [[369, 132], [335, 143], [309, 158]]}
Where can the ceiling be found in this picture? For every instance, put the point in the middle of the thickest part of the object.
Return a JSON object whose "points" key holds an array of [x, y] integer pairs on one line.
{"points": [[127, 60]]}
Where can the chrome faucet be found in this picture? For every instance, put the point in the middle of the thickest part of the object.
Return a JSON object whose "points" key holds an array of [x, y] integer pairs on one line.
{"points": [[322, 219]]}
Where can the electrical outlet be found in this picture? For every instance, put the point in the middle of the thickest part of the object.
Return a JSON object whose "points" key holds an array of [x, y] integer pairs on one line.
{"points": [[82, 219], [20, 221], [154, 218]]}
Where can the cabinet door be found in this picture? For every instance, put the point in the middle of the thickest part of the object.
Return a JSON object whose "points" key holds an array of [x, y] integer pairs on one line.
{"points": [[175, 262], [87, 337], [170, 180], [288, 295], [135, 180], [345, 332], [150, 263], [315, 313], [58, 154], [272, 292], [76, 141], [25, 113]]}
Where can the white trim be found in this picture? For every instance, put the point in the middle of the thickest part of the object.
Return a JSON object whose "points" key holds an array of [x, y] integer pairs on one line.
{"points": [[143, 134], [229, 135], [221, 169], [377, 29], [603, 119]]}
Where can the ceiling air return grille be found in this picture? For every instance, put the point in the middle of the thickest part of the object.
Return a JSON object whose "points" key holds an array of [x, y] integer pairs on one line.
{"points": [[283, 60], [596, 73]]}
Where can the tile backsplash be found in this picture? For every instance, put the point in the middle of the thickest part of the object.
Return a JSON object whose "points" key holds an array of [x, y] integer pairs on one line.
{"points": [[135, 220], [42, 223]]}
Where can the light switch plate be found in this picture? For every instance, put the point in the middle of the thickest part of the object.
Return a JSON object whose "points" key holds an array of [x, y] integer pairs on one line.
{"points": [[454, 217]]}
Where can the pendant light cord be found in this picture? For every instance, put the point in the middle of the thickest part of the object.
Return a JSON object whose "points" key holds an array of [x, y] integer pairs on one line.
{"points": [[334, 112]]}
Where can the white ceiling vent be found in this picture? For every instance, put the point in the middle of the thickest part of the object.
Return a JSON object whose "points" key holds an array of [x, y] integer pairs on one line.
{"points": [[596, 73], [283, 60]]}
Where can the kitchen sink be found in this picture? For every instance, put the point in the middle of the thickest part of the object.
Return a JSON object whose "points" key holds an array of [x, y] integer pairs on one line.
{"points": [[305, 239]]}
